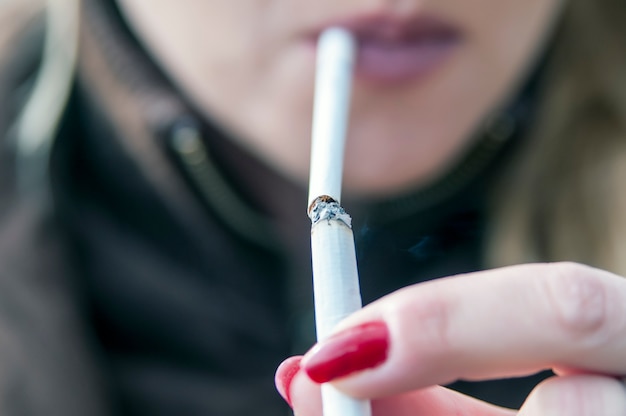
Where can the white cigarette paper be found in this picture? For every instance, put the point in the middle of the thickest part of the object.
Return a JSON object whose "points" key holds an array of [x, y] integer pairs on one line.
{"points": [[335, 274], [333, 85]]}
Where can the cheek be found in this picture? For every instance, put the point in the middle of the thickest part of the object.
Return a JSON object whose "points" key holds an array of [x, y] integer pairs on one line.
{"points": [[267, 106], [258, 86], [243, 64], [507, 35]]}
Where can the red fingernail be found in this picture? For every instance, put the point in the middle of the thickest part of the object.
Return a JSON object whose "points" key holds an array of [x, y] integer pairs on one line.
{"points": [[355, 349], [285, 373]]}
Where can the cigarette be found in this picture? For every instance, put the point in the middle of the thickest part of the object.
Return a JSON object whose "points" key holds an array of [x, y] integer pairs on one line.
{"points": [[335, 275]]}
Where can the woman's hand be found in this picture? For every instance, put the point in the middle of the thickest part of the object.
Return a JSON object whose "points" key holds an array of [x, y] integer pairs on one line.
{"points": [[500, 323]]}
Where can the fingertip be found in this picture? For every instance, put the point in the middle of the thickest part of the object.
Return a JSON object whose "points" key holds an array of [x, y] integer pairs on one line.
{"points": [[285, 374], [350, 351]]}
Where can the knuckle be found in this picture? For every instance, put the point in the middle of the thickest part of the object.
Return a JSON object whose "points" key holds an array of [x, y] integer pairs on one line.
{"points": [[577, 299]]}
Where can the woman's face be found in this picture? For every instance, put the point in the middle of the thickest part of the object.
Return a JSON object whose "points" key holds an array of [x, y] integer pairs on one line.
{"points": [[427, 73]]}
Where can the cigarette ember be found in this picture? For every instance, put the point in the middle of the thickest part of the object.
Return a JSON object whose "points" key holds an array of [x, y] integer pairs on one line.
{"points": [[326, 208]]}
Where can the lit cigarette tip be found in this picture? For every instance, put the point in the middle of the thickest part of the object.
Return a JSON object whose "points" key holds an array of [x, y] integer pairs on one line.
{"points": [[326, 208]]}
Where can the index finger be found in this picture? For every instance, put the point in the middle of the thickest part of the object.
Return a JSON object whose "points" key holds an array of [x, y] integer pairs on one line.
{"points": [[500, 323]]}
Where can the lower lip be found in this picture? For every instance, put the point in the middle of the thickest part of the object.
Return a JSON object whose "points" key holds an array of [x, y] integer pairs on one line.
{"points": [[401, 62]]}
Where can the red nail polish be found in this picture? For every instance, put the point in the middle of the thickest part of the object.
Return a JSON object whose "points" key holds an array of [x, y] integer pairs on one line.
{"points": [[285, 373], [355, 349]]}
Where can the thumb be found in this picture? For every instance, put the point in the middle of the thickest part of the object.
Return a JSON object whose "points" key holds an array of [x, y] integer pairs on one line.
{"points": [[304, 396]]}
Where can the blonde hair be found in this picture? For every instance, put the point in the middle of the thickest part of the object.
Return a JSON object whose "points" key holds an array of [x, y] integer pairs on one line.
{"points": [[565, 196]]}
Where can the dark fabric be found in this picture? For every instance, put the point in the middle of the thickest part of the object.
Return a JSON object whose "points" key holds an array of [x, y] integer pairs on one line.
{"points": [[187, 325], [47, 354], [48, 357], [191, 317]]}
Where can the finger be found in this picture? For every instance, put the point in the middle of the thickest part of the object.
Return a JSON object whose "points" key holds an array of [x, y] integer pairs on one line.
{"points": [[505, 322], [306, 400], [436, 401], [285, 374], [579, 395]]}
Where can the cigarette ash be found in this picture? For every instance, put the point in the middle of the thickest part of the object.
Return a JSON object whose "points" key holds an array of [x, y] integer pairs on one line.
{"points": [[324, 208]]}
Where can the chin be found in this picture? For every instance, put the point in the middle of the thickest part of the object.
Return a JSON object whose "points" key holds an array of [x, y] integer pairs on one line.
{"points": [[381, 185]]}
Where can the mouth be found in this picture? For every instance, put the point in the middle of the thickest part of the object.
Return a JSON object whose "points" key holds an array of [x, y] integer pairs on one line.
{"points": [[392, 50]]}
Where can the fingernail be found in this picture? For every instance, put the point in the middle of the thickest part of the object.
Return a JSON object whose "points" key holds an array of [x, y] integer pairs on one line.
{"points": [[285, 373], [355, 349]]}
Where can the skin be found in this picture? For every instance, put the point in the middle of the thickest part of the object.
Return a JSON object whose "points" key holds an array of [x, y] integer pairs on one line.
{"points": [[566, 316], [249, 66]]}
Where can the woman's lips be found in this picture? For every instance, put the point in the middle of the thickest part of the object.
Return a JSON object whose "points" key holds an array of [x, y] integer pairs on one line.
{"points": [[396, 51]]}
